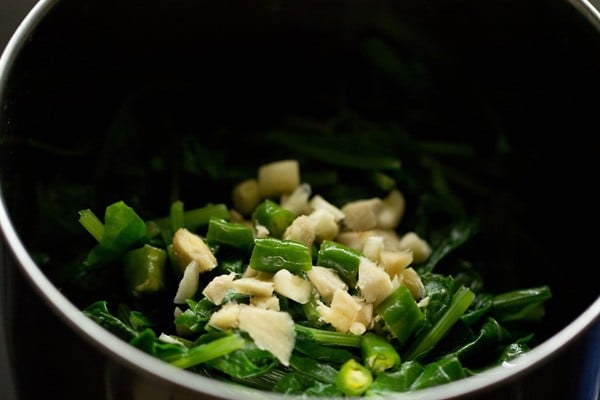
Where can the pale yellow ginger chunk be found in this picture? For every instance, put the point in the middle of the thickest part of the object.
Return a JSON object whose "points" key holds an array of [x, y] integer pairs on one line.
{"points": [[273, 331], [301, 230], [261, 231], [395, 261], [392, 211], [325, 225], [326, 281], [319, 203], [365, 315], [374, 283], [278, 178], [356, 240], [297, 201], [397, 281], [265, 302], [227, 317], [188, 247], [188, 285], [413, 282], [419, 247], [246, 196], [235, 216], [292, 286], [373, 247], [253, 287], [342, 312], [254, 273], [217, 288], [357, 328], [362, 215]]}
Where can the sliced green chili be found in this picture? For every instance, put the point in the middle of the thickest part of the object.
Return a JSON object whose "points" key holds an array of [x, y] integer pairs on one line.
{"points": [[353, 378], [271, 254], [144, 270], [345, 260], [379, 354], [231, 234], [400, 313], [274, 217]]}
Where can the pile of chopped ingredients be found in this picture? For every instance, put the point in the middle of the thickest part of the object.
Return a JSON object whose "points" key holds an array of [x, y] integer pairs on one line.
{"points": [[286, 291]]}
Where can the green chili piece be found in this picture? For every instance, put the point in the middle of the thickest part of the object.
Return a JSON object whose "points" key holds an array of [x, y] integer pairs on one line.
{"points": [[271, 254], [310, 307], [231, 234], [144, 270], [400, 313], [353, 378], [378, 353], [176, 216], [345, 260], [274, 217]]}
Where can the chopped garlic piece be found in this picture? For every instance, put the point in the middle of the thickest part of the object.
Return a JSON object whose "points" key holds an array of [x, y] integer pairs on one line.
{"points": [[188, 285], [292, 286]]}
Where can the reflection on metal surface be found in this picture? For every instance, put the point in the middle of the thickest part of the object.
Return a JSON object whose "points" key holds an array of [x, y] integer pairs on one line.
{"points": [[7, 388], [589, 8]]}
